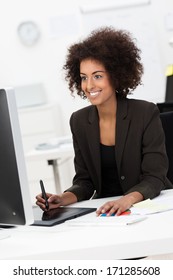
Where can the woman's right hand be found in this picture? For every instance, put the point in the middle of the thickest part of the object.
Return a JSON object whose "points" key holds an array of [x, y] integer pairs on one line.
{"points": [[54, 201]]}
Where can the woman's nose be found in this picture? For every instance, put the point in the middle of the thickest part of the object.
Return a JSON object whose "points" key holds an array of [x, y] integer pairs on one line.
{"points": [[90, 84]]}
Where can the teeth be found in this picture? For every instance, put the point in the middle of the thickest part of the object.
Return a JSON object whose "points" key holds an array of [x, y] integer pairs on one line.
{"points": [[94, 93]]}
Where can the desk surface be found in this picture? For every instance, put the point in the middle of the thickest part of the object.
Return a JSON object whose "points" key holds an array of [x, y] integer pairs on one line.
{"points": [[149, 237], [63, 151]]}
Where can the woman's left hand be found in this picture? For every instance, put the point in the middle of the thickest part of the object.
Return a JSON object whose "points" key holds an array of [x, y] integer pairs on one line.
{"points": [[120, 205]]}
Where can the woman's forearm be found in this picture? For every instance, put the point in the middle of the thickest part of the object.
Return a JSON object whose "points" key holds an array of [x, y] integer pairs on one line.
{"points": [[68, 198]]}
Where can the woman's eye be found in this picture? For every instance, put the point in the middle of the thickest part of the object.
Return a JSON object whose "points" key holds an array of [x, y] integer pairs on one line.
{"points": [[97, 77], [83, 78]]}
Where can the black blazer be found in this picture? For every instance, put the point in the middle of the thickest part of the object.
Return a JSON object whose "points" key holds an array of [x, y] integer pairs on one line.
{"points": [[140, 150]]}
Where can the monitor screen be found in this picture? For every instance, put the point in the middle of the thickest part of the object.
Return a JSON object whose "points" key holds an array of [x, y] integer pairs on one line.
{"points": [[15, 202]]}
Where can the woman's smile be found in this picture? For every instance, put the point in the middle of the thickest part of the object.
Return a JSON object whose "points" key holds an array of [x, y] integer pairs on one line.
{"points": [[94, 93]]}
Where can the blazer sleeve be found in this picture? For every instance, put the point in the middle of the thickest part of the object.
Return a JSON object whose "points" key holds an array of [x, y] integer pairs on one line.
{"points": [[154, 165]]}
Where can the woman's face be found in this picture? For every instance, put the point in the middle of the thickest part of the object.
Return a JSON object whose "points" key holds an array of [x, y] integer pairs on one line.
{"points": [[95, 82]]}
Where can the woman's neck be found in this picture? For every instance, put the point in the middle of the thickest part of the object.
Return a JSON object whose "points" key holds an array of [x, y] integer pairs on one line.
{"points": [[107, 124], [107, 111]]}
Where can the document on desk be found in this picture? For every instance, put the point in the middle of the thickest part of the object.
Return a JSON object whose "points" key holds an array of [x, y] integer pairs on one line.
{"points": [[150, 206], [112, 221], [54, 143]]}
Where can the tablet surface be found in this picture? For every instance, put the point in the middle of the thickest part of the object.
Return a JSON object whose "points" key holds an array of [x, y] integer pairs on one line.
{"points": [[58, 215]]}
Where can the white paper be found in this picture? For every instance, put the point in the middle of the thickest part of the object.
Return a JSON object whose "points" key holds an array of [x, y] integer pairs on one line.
{"points": [[106, 221]]}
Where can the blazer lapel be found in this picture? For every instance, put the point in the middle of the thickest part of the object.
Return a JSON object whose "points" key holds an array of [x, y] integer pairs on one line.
{"points": [[122, 125], [93, 138]]}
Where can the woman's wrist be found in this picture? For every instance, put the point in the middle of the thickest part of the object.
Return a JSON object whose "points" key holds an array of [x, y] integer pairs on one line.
{"points": [[68, 198], [134, 197]]}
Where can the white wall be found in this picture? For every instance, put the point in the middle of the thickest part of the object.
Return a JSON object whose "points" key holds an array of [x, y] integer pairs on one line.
{"points": [[42, 63]]}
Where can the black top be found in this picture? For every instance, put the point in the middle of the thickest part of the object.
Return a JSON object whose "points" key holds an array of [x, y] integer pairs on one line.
{"points": [[110, 181]]}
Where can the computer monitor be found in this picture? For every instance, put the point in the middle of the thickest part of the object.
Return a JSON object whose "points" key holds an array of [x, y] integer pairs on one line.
{"points": [[169, 88], [15, 202]]}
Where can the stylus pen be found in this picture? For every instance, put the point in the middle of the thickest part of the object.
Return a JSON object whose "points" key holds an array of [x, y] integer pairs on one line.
{"points": [[44, 194]]}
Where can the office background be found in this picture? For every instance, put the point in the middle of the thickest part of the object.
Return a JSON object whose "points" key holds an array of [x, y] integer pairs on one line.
{"points": [[31, 57]]}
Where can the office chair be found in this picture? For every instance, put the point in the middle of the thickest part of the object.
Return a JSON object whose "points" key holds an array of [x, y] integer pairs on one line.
{"points": [[165, 107], [167, 123]]}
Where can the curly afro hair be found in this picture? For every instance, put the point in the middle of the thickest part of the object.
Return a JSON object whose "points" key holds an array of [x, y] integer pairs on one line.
{"points": [[116, 50]]}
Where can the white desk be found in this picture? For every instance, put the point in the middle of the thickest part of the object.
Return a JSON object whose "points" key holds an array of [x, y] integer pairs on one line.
{"points": [[54, 156], [149, 237]]}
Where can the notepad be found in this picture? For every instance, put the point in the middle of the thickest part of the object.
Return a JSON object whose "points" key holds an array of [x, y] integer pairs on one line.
{"points": [[107, 221], [150, 206]]}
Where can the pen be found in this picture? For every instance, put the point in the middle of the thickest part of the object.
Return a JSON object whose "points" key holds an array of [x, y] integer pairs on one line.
{"points": [[44, 194]]}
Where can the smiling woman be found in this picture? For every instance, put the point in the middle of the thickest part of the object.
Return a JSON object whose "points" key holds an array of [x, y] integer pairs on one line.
{"points": [[116, 50], [95, 82], [118, 142]]}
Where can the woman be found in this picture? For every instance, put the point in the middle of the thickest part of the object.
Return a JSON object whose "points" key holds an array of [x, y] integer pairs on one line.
{"points": [[118, 142]]}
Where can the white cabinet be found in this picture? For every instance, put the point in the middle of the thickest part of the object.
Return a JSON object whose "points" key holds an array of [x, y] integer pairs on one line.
{"points": [[39, 124]]}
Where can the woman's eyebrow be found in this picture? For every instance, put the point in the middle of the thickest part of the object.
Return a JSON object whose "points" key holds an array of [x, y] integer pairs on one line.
{"points": [[94, 72]]}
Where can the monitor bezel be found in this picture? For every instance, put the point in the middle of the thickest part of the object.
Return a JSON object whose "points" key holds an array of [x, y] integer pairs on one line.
{"points": [[27, 211]]}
